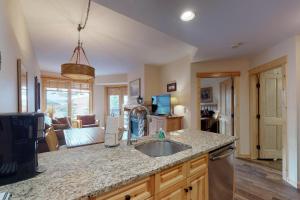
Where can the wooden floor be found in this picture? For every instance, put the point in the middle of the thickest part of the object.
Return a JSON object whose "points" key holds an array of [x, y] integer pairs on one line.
{"points": [[256, 182], [273, 164]]}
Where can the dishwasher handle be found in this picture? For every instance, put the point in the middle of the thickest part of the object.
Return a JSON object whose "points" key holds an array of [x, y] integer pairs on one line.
{"points": [[224, 154]]}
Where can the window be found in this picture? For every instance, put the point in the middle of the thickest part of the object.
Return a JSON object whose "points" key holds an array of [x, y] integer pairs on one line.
{"points": [[66, 98], [57, 101]]}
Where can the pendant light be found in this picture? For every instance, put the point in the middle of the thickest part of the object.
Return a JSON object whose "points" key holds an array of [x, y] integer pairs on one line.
{"points": [[79, 68]]}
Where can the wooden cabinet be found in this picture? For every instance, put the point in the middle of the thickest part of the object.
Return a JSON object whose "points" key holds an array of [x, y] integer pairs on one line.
{"points": [[141, 190], [198, 178], [186, 181], [170, 177], [167, 123], [176, 192], [198, 187]]}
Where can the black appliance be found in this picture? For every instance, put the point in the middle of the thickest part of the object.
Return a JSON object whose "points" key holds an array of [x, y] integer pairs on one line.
{"points": [[19, 133]]}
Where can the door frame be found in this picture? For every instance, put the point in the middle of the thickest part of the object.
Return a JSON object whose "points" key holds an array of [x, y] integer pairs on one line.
{"points": [[106, 102], [253, 106], [236, 84]]}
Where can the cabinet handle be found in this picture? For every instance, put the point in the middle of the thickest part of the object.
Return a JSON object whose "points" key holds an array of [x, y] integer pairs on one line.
{"points": [[186, 190], [190, 188], [127, 197]]}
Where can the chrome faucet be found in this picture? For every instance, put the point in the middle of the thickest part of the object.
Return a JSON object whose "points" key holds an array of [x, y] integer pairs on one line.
{"points": [[148, 120]]}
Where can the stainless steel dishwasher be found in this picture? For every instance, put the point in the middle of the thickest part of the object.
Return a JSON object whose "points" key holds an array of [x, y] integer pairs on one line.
{"points": [[221, 173]]}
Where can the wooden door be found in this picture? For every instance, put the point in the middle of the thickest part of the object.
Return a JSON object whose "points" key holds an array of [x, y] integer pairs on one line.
{"points": [[270, 108], [198, 189], [226, 107]]}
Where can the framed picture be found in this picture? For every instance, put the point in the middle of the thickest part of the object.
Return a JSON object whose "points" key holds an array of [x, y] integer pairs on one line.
{"points": [[22, 81], [206, 95], [171, 87], [135, 88]]}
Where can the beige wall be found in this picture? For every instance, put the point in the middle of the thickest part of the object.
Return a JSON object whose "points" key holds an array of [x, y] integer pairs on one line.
{"points": [[153, 85], [114, 79], [241, 65], [290, 48], [179, 71], [15, 43], [99, 103], [136, 73], [99, 93]]}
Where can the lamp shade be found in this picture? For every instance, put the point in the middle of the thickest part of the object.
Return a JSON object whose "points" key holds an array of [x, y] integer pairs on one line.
{"points": [[77, 71], [78, 68], [174, 101]]}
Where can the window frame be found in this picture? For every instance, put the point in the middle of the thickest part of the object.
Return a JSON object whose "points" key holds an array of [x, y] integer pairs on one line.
{"points": [[68, 83]]}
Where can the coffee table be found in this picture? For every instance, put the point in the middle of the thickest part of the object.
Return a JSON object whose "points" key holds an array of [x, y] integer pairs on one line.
{"points": [[76, 137]]}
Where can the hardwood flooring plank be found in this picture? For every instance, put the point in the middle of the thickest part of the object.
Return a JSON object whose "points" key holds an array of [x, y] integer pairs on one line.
{"points": [[255, 182]]}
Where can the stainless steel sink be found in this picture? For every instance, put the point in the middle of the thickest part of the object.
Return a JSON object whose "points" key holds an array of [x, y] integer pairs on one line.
{"points": [[161, 148]]}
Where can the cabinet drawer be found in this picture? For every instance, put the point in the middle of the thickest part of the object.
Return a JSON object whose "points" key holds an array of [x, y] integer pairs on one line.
{"points": [[141, 190], [197, 165], [177, 192], [170, 177]]}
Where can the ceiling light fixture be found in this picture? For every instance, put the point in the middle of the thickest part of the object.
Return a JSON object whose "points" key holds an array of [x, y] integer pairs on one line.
{"points": [[79, 68], [237, 45], [187, 16]]}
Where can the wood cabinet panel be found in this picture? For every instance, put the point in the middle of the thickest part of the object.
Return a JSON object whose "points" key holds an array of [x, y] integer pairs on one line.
{"points": [[176, 192], [174, 124], [198, 165], [168, 124], [141, 190], [185, 181], [170, 177], [198, 187]]}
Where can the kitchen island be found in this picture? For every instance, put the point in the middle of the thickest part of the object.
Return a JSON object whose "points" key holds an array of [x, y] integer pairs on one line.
{"points": [[91, 171]]}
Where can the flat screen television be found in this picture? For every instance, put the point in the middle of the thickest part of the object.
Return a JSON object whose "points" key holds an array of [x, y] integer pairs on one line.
{"points": [[161, 105]]}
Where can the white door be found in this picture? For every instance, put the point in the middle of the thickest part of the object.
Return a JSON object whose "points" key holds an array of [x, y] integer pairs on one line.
{"points": [[226, 107], [117, 98], [271, 122]]}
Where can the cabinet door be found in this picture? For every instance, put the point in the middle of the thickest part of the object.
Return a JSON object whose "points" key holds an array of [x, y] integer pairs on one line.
{"points": [[173, 124], [198, 187], [170, 177], [177, 192]]}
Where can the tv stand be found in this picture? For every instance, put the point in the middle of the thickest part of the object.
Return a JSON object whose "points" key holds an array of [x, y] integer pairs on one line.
{"points": [[167, 123]]}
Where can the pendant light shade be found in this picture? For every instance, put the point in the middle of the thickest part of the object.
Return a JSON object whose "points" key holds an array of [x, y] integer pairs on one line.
{"points": [[78, 68]]}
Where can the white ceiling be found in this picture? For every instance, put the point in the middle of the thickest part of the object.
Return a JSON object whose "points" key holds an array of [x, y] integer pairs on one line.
{"points": [[113, 42], [123, 34], [218, 23]]}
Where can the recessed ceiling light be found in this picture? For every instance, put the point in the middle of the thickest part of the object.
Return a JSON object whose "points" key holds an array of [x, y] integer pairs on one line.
{"points": [[187, 16], [237, 45]]}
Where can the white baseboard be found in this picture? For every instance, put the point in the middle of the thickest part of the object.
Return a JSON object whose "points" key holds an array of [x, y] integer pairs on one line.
{"points": [[293, 183], [247, 156]]}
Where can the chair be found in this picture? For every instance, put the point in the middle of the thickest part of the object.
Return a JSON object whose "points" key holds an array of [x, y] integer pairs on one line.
{"points": [[87, 121], [51, 139], [59, 125]]}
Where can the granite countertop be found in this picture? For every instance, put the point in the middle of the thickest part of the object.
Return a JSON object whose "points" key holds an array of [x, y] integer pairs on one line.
{"points": [[92, 170]]}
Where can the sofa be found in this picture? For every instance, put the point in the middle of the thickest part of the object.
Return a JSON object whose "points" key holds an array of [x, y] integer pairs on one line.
{"points": [[87, 121]]}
